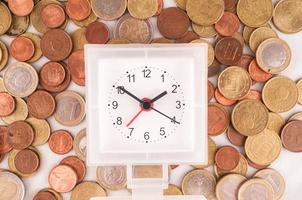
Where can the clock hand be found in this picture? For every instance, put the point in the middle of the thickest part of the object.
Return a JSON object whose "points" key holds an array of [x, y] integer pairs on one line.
{"points": [[135, 117], [130, 94], [158, 96], [165, 115]]}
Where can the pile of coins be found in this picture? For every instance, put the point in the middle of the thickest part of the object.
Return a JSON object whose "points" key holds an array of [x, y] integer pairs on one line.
{"points": [[249, 92]]}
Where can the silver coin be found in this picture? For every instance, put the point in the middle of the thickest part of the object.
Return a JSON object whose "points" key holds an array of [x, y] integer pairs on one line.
{"points": [[255, 189], [80, 144], [109, 9], [228, 186], [12, 188], [112, 177]]}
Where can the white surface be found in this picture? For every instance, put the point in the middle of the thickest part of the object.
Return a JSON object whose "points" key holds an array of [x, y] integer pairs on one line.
{"points": [[289, 164]]}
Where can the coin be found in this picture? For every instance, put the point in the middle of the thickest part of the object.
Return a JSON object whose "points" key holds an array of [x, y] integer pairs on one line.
{"points": [[210, 90], [2, 88], [60, 142], [57, 195], [7, 104], [4, 51], [275, 122], [42, 130], [172, 190], [80, 144], [5, 18], [87, 190], [255, 13], [256, 166], [230, 5], [12, 186], [134, 30], [275, 179], [218, 119], [43, 195], [299, 86], [84, 23], [253, 95], [36, 40], [204, 12], [173, 23], [227, 158], [27, 161], [246, 33], [204, 31], [188, 37], [20, 113], [256, 189], [256, 73], [260, 35], [142, 9], [112, 177], [147, 171], [109, 9], [235, 137], [22, 48], [97, 33], [52, 73], [296, 116], [238, 36], [245, 61], [62, 178], [70, 109], [125, 41], [228, 51], [21, 8], [77, 67], [241, 168], [181, 4], [211, 154], [250, 117], [198, 182], [228, 24], [160, 7], [214, 68], [78, 9], [21, 134], [79, 39], [280, 94], [77, 165], [227, 187], [211, 54], [287, 16], [273, 55], [291, 136], [6, 145], [53, 15], [222, 100], [19, 25], [56, 44]]}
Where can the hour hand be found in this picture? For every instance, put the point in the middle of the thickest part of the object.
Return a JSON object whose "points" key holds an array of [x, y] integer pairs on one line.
{"points": [[130, 94], [158, 96]]}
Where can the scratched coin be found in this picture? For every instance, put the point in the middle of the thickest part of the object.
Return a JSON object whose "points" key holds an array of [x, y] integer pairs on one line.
{"points": [[87, 190], [109, 9], [19, 25], [12, 187], [227, 187], [112, 177], [255, 189]]}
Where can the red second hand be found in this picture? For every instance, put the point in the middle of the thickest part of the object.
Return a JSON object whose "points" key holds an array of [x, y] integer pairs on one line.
{"points": [[135, 117]]}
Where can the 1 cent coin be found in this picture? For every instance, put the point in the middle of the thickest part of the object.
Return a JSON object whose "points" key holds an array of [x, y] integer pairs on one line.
{"points": [[227, 158], [256, 73], [20, 113], [21, 7], [76, 66], [53, 15], [5, 144], [228, 24], [60, 142], [78, 9], [77, 165], [27, 161], [62, 178], [21, 134], [22, 48], [291, 136], [235, 137], [52, 73], [228, 51], [97, 33], [218, 119], [7, 104]]}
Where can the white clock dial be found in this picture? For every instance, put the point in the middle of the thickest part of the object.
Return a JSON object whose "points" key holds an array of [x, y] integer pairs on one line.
{"points": [[146, 104]]}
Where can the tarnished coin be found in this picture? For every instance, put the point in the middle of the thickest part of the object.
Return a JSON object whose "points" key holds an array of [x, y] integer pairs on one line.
{"points": [[42, 130], [227, 158], [44, 195], [235, 137], [275, 179], [223, 100], [250, 117], [70, 109], [263, 148], [147, 171], [142, 9], [27, 161], [52, 73], [5, 18], [7, 104], [22, 48], [212, 148], [4, 52], [62, 178], [275, 122], [77, 165], [228, 186], [21, 134], [84, 23], [35, 38], [234, 83], [228, 24], [78, 9], [76, 66], [241, 168], [273, 55], [172, 190], [87, 190], [204, 31], [218, 119], [255, 189], [280, 94], [79, 39], [291, 136], [199, 182], [97, 33], [260, 35], [20, 113], [112, 177], [299, 86], [190, 36], [19, 25], [287, 16], [21, 8], [109, 9], [228, 51], [60, 142], [204, 12], [255, 13], [211, 54], [53, 15], [80, 144], [12, 187], [134, 30], [6, 145], [256, 73]]}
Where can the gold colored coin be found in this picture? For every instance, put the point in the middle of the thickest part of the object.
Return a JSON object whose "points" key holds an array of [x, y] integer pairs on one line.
{"points": [[212, 148], [20, 113], [255, 13], [4, 56], [211, 52], [5, 18], [142, 9], [275, 122], [234, 83], [256, 189], [87, 190], [205, 12], [42, 130], [280, 94], [299, 86], [2, 88], [80, 144], [260, 35], [0, 54], [182, 4], [147, 171], [172, 190], [118, 41], [241, 168], [204, 31], [263, 148], [79, 39], [19, 25], [247, 31], [227, 187], [250, 117], [35, 38], [287, 16], [162, 41], [84, 23]]}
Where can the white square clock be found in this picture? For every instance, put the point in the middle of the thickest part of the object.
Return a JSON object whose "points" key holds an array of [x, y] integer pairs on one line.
{"points": [[146, 104]]}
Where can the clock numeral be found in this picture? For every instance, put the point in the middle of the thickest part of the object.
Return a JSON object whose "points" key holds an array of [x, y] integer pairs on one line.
{"points": [[131, 78], [163, 78], [131, 131], [119, 121], [162, 131], [147, 136], [174, 120], [147, 73], [119, 91], [178, 104], [174, 88], [114, 104]]}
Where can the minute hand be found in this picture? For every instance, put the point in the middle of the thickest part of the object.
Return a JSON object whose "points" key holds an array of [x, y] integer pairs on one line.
{"points": [[130, 94], [165, 115]]}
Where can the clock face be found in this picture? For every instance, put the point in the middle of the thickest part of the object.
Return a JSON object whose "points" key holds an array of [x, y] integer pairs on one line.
{"points": [[146, 104]]}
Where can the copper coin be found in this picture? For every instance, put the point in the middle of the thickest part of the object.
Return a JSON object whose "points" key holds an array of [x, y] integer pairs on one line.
{"points": [[97, 33], [218, 119], [235, 137], [256, 73], [245, 61], [254, 95], [227, 158], [210, 90], [228, 51], [62, 178], [21, 7], [41, 104], [223, 100], [5, 144], [291, 136], [7, 104], [22, 48], [52, 73], [160, 7], [173, 23], [188, 37], [77, 165], [56, 44], [21, 134], [44, 195], [53, 15], [228, 24], [214, 68], [78, 9], [230, 5], [60, 142], [76, 66], [27, 161], [256, 166]]}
